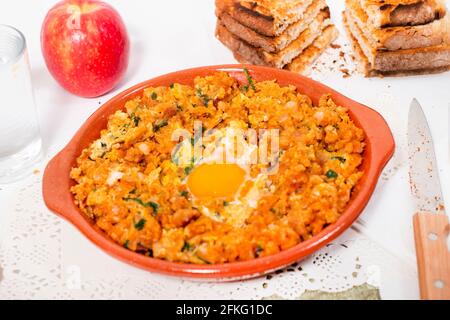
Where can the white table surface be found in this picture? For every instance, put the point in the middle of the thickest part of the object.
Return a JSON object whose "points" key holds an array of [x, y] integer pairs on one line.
{"points": [[171, 35]]}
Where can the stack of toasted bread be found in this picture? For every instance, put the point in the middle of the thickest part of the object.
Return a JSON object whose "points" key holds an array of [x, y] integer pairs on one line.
{"points": [[289, 34], [399, 37]]}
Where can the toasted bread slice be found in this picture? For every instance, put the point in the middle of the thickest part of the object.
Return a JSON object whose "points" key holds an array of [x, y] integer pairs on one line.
{"points": [[366, 69], [267, 17], [396, 63], [392, 13], [273, 44], [285, 56], [239, 48], [281, 58], [302, 63], [279, 10], [241, 59], [397, 38]]}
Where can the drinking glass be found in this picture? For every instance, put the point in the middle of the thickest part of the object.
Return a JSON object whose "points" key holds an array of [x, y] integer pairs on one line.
{"points": [[20, 141]]}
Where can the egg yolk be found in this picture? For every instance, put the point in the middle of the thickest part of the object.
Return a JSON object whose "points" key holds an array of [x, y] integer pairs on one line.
{"points": [[216, 180]]}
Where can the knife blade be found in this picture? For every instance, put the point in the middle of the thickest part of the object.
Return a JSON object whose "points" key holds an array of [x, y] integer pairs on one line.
{"points": [[424, 180], [430, 223]]}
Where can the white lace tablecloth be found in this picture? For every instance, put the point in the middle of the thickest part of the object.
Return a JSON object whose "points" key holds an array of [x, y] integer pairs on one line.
{"points": [[43, 256]]}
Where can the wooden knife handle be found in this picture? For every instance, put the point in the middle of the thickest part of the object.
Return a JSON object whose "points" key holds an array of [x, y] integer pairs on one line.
{"points": [[433, 256]]}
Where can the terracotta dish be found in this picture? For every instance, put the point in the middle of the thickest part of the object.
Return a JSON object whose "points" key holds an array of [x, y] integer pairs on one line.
{"points": [[379, 149]]}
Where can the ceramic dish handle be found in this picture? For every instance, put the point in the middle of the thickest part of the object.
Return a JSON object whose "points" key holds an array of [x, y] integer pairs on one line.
{"points": [[383, 143], [433, 256], [55, 186]]}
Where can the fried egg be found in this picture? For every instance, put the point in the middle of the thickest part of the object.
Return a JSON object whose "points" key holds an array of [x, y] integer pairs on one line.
{"points": [[215, 180], [223, 176]]}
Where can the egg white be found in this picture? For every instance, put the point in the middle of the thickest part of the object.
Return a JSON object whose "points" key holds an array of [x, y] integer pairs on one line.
{"points": [[237, 211]]}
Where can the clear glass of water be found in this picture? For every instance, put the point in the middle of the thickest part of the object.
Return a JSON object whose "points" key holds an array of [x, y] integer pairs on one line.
{"points": [[20, 140]]}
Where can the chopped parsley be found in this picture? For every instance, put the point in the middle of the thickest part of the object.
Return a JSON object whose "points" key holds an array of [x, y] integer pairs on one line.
{"points": [[258, 250], [225, 203], [331, 174], [160, 124], [135, 119], [149, 204], [140, 224], [187, 247], [184, 193], [172, 85], [153, 205], [202, 259], [341, 159], [126, 243], [205, 99], [188, 170], [251, 82], [154, 96]]}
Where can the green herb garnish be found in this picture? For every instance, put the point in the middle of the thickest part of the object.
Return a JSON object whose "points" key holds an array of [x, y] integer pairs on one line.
{"points": [[135, 119], [184, 193], [331, 174], [172, 85], [251, 83], [153, 205], [140, 224], [160, 124], [149, 204], [205, 99], [187, 247], [154, 96], [341, 159], [258, 250], [225, 203], [126, 243], [202, 259], [188, 170]]}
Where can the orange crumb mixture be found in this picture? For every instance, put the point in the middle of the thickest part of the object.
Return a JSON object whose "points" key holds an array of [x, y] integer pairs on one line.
{"points": [[128, 182]]}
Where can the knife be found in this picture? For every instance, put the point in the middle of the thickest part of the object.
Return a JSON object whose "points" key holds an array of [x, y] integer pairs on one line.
{"points": [[431, 224]]}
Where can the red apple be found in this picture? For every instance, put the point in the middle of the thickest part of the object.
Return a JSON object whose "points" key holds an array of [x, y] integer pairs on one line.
{"points": [[85, 46]]}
